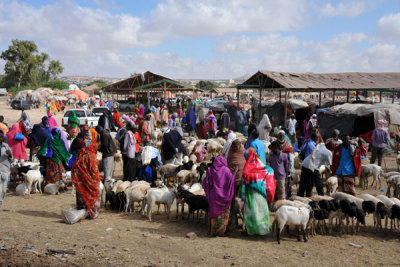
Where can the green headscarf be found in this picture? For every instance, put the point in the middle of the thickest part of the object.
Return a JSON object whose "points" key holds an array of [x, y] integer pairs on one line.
{"points": [[73, 119], [54, 148]]}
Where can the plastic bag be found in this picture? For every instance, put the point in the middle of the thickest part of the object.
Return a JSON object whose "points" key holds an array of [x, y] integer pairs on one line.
{"points": [[19, 137], [73, 216]]}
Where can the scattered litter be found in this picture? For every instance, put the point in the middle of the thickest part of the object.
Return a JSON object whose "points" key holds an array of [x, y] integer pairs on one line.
{"points": [[228, 257], [30, 245], [2, 248], [163, 236], [276, 258], [306, 253], [109, 229], [191, 235], [356, 245], [8, 238], [383, 190], [33, 251], [126, 249], [146, 234], [384, 241], [48, 244]]}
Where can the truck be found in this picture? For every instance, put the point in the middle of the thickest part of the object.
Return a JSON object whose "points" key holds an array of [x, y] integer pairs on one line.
{"points": [[85, 117]]}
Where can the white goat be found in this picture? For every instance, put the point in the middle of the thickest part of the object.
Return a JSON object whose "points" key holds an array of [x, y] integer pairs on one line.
{"points": [[331, 184], [53, 189], [31, 177], [159, 196], [288, 215], [368, 170]]}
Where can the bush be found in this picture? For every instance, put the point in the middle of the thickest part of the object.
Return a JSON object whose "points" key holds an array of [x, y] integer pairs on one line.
{"points": [[56, 84]]}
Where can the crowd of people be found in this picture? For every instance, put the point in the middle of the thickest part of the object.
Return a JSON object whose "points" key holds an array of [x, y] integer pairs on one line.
{"points": [[242, 170]]}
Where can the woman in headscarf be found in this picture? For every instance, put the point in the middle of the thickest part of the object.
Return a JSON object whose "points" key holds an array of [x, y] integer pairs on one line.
{"points": [[53, 108], [179, 112], [157, 116], [146, 131], [172, 144], [258, 190], [58, 106], [199, 151], [152, 118], [164, 114], [312, 123], [129, 150], [116, 120], [172, 121], [320, 139], [190, 120], [86, 177], [252, 127], [201, 130], [258, 146], [52, 122], [25, 125], [211, 124], [380, 137], [227, 145], [219, 186], [54, 155], [264, 127], [36, 138], [141, 109], [17, 141], [236, 161], [73, 125]]}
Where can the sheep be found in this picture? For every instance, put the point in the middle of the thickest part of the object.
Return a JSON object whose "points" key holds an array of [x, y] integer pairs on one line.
{"points": [[350, 210], [296, 178], [121, 187], [135, 193], [279, 203], [53, 189], [388, 174], [117, 201], [305, 200], [319, 215], [31, 177], [21, 190], [331, 185], [167, 170], [392, 209], [159, 196], [202, 170], [187, 176], [185, 166], [396, 211], [288, 215], [368, 170], [214, 149], [66, 177], [109, 184], [116, 185], [380, 209]]}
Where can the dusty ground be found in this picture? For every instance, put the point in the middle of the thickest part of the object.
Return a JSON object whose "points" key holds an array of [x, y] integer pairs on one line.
{"points": [[30, 226]]}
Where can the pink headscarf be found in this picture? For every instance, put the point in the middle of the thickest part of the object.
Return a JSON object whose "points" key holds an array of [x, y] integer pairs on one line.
{"points": [[382, 123], [52, 122], [18, 147], [127, 119]]}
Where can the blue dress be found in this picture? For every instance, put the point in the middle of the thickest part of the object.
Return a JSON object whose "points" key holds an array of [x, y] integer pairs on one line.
{"points": [[346, 164]]}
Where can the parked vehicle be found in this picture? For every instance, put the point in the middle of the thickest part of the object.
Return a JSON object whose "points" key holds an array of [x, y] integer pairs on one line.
{"points": [[127, 106], [85, 117], [21, 104], [3, 91], [97, 112]]}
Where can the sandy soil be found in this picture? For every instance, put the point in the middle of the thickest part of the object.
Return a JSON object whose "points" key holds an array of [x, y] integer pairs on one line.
{"points": [[30, 226]]}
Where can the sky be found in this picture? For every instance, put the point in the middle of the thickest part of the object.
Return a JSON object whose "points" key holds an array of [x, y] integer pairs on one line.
{"points": [[207, 39]]}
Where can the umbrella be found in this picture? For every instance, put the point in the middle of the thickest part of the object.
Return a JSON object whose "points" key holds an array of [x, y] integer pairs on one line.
{"points": [[80, 95]]}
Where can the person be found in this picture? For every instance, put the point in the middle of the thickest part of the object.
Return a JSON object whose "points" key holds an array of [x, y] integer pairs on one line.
{"points": [[3, 127], [251, 128], [179, 129], [190, 120], [73, 125], [199, 151], [5, 158], [258, 190], [211, 124], [334, 141], [264, 128], [151, 159], [242, 121], [380, 137], [52, 122], [172, 121], [312, 123], [219, 186], [116, 120], [305, 131], [25, 125], [171, 145], [17, 142], [201, 130], [152, 119], [225, 119], [146, 131], [310, 175], [257, 146], [164, 114], [36, 139], [346, 164], [309, 145], [129, 150], [54, 156], [319, 136], [236, 161], [228, 143], [108, 150], [85, 176], [291, 126], [157, 116], [106, 121], [279, 163]]}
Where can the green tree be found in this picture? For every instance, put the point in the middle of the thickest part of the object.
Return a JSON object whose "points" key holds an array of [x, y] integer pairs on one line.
{"points": [[56, 84], [206, 85], [26, 66]]}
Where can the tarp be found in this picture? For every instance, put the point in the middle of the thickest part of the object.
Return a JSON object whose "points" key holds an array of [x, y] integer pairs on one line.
{"points": [[297, 104], [80, 95]]}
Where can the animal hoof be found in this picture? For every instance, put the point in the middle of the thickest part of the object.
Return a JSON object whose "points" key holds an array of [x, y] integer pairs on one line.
{"points": [[305, 240]]}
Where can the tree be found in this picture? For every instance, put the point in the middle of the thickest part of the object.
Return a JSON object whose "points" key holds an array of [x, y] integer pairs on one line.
{"points": [[206, 85], [56, 84], [26, 66]]}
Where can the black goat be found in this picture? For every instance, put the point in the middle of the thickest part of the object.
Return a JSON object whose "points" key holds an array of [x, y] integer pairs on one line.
{"points": [[195, 202], [186, 166], [117, 201], [202, 169], [211, 163], [221, 133]]}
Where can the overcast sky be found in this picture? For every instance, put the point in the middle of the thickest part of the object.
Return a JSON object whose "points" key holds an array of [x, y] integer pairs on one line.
{"points": [[208, 39]]}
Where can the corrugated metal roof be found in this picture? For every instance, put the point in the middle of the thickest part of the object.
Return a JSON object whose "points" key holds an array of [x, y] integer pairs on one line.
{"points": [[346, 80]]}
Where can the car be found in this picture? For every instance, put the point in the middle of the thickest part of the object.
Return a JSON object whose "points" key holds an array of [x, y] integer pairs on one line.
{"points": [[3, 91], [97, 112], [21, 104], [85, 117], [127, 106]]}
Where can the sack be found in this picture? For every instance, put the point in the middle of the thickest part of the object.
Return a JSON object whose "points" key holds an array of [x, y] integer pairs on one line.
{"points": [[73, 216], [19, 137], [254, 171]]}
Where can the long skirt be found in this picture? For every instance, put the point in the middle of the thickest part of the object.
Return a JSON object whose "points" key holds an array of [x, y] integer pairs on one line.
{"points": [[108, 166], [130, 169], [242, 129], [54, 171], [221, 224], [256, 213], [346, 184], [94, 211]]}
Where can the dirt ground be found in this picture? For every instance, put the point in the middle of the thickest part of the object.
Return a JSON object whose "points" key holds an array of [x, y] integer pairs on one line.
{"points": [[30, 226]]}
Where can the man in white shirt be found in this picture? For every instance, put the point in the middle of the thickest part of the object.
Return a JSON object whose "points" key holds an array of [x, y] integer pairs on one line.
{"points": [[291, 129], [310, 175]]}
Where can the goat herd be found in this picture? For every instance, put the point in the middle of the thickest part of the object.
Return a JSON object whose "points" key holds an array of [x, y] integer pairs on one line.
{"points": [[310, 215]]}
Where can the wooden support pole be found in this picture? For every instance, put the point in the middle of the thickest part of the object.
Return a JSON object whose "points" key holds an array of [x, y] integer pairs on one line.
{"points": [[259, 105], [238, 97], [393, 97], [280, 96], [286, 100], [348, 95], [334, 97], [320, 101], [380, 97]]}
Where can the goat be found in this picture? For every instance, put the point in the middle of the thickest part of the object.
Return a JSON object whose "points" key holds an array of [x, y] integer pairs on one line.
{"points": [[331, 185], [158, 196], [31, 177], [288, 215], [54, 189], [368, 170]]}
